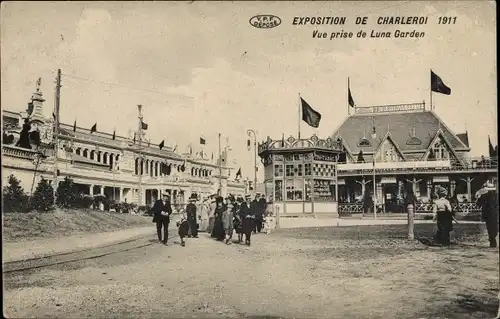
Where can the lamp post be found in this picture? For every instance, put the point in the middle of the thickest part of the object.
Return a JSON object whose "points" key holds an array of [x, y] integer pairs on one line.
{"points": [[251, 132], [374, 136]]}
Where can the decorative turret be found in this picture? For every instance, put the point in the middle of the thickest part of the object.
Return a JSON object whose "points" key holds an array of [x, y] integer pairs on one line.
{"points": [[35, 110]]}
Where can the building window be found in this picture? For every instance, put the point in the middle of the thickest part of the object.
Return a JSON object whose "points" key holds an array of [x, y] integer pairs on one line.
{"points": [[364, 142], [289, 171], [278, 191], [308, 170], [441, 151], [294, 189], [278, 170]]}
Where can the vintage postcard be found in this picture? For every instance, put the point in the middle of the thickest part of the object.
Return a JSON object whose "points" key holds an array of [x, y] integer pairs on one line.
{"points": [[249, 159]]}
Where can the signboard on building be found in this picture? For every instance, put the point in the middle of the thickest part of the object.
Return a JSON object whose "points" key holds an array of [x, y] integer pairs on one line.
{"points": [[388, 180], [324, 157], [440, 179]]}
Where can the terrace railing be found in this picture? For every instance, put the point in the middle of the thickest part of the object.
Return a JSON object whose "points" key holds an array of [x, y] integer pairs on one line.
{"points": [[469, 164]]}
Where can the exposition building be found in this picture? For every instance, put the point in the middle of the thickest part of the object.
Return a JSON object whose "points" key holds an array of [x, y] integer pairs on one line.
{"points": [[120, 168], [413, 149]]}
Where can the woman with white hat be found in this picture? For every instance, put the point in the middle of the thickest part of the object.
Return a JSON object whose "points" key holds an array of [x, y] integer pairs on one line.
{"points": [[443, 213]]}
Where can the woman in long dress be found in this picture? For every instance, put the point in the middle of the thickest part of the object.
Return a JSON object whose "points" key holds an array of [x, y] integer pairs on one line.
{"points": [[218, 230], [204, 215], [227, 219]]}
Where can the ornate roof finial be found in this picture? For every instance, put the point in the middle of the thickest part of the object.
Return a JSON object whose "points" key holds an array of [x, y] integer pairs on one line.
{"points": [[38, 84], [388, 128]]}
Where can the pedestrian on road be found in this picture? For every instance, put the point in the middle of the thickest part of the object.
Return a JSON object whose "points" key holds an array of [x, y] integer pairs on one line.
{"points": [[488, 200], [238, 220], [211, 215], [183, 227], [161, 212], [191, 217], [260, 212], [204, 209], [227, 219], [247, 217], [254, 207], [443, 214], [218, 230]]}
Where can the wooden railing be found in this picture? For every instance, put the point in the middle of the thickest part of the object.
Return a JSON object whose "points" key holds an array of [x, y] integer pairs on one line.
{"points": [[469, 164], [347, 209]]}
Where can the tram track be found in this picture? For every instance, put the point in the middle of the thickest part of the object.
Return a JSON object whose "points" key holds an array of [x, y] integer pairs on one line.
{"points": [[75, 256]]}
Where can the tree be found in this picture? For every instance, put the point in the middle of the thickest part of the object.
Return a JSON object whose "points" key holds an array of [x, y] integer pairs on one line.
{"points": [[14, 198], [67, 194], [43, 197]]}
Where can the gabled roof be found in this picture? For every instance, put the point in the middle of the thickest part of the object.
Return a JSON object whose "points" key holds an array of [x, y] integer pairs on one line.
{"points": [[464, 137], [439, 134], [388, 136], [403, 127]]}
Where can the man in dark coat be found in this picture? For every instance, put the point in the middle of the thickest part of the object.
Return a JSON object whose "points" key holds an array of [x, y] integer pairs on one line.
{"points": [[487, 199], [247, 217], [161, 212], [260, 209], [191, 218]]}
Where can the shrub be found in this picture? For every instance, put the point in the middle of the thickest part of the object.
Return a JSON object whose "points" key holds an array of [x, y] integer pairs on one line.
{"points": [[43, 197], [14, 198], [67, 194], [144, 210], [84, 201]]}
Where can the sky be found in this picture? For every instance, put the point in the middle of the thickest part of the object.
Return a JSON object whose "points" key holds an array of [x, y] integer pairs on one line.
{"points": [[200, 68]]}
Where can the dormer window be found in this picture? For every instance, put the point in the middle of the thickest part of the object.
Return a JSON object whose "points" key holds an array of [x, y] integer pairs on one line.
{"points": [[414, 141], [364, 142]]}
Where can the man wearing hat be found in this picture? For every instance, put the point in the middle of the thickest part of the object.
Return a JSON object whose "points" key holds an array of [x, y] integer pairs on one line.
{"points": [[488, 200], [161, 212], [260, 209], [191, 217], [247, 218], [443, 213]]}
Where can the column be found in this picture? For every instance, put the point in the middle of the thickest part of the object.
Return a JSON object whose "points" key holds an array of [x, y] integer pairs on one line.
{"points": [[91, 190], [400, 188], [121, 194], [469, 191], [363, 186], [429, 189], [102, 190], [452, 187]]}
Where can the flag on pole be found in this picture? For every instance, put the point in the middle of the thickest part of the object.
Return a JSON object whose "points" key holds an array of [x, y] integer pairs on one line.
{"points": [[74, 127], [114, 134], [351, 100], [283, 140], [134, 137], [309, 115], [437, 85], [144, 126], [175, 148], [202, 141], [93, 128], [190, 150], [162, 144], [54, 115], [238, 173], [491, 148]]}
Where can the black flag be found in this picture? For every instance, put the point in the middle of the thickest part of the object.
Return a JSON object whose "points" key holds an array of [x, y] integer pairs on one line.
{"points": [[491, 148], [94, 128], [74, 127], [202, 141], [144, 126], [114, 134], [162, 144], [309, 115], [438, 86], [238, 173], [351, 100]]}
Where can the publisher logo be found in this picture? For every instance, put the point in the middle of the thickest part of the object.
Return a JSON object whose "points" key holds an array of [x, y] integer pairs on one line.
{"points": [[265, 21]]}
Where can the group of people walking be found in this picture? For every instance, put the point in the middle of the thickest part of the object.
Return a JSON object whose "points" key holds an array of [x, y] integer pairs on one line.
{"points": [[220, 217], [237, 215]]}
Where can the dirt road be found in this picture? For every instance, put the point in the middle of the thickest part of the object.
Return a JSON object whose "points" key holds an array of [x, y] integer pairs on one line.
{"points": [[358, 272]]}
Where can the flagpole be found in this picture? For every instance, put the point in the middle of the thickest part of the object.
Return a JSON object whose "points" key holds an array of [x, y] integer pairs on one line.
{"points": [[141, 168], [56, 130], [220, 170], [348, 87], [299, 116], [430, 93]]}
